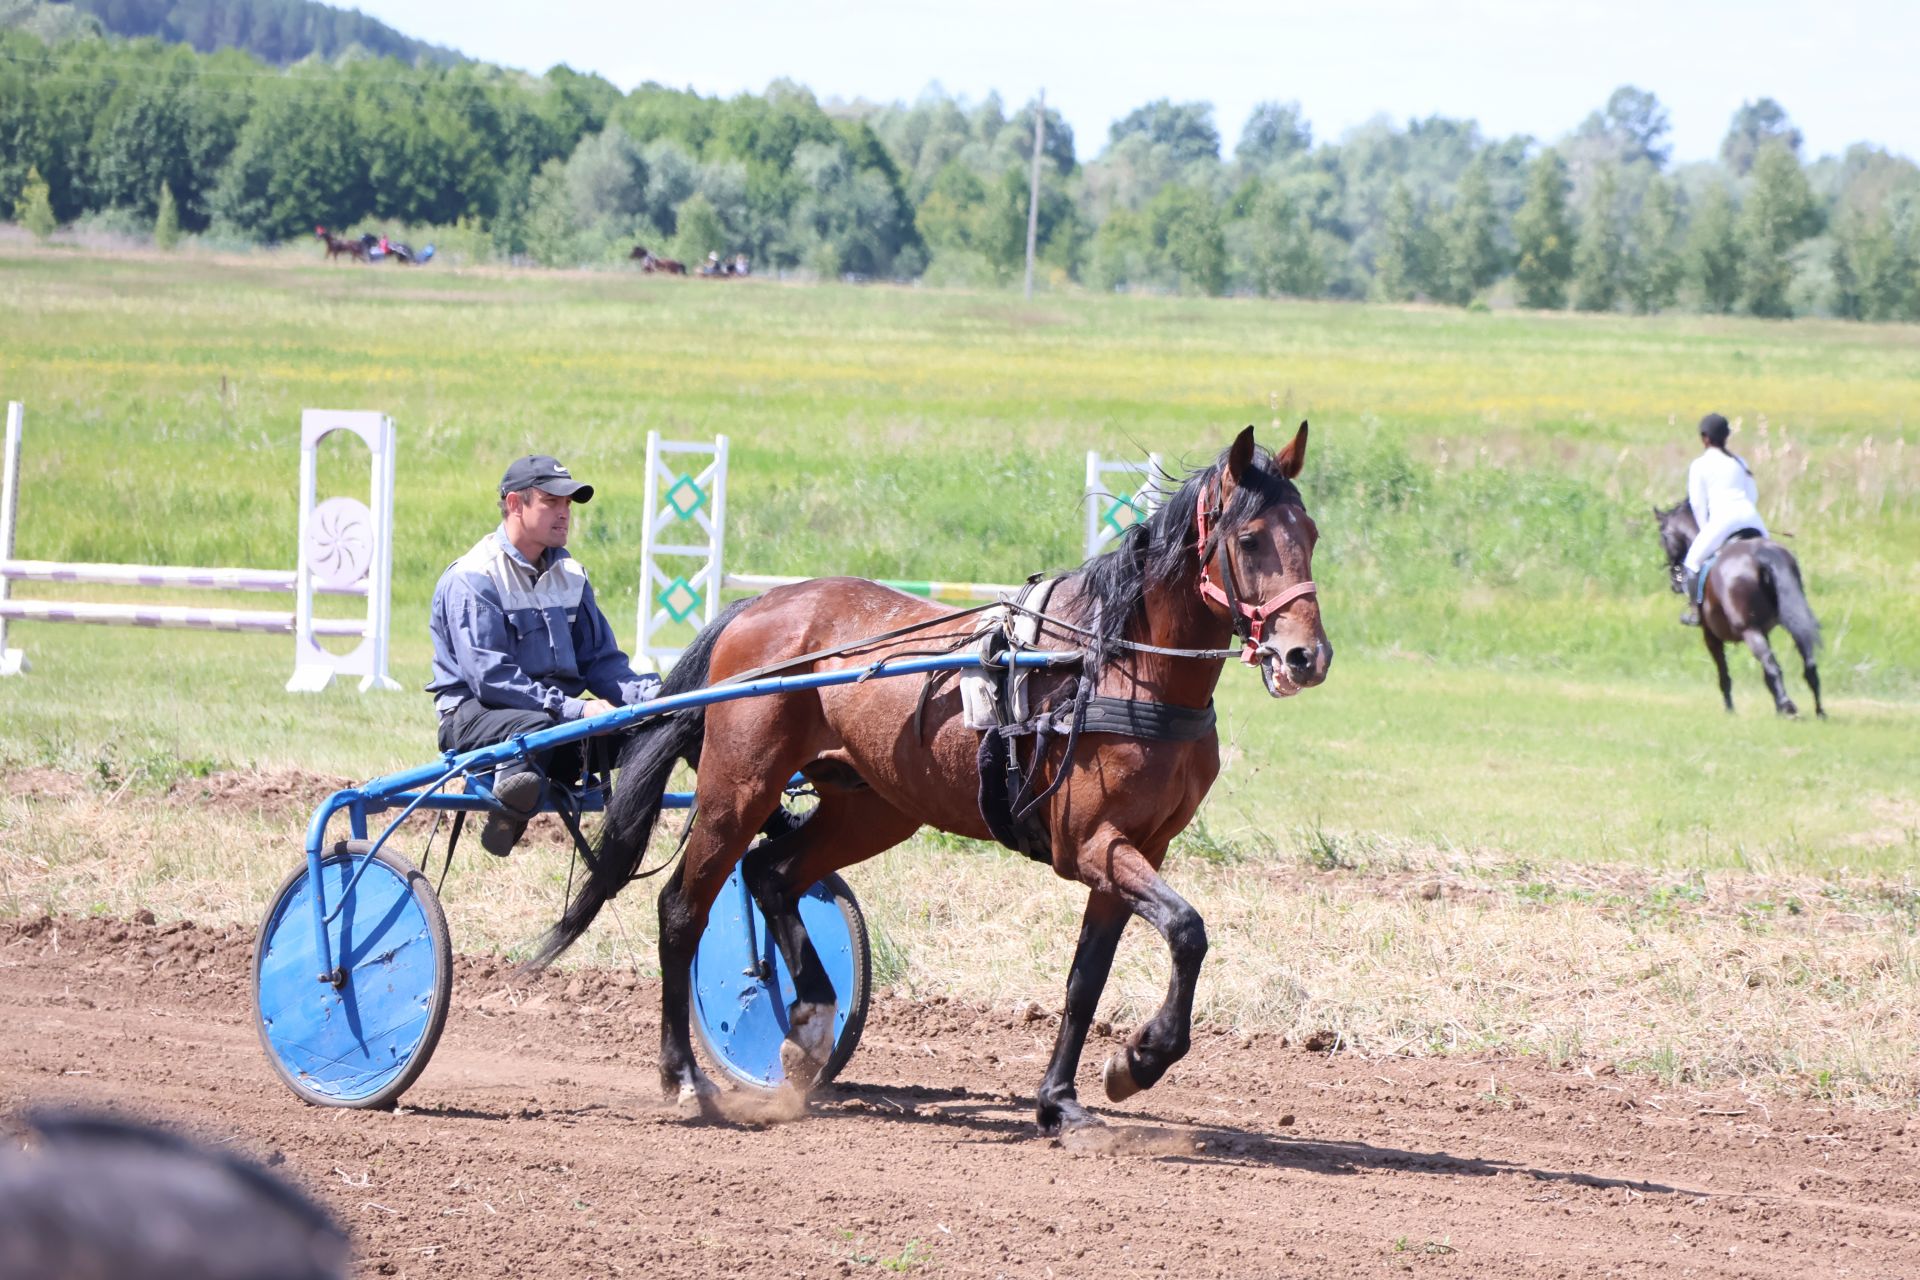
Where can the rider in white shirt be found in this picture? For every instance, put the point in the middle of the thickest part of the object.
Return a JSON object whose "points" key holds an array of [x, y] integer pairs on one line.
{"points": [[1721, 492]]}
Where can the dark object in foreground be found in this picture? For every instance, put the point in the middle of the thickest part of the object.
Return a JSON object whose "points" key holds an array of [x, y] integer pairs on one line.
{"points": [[97, 1198]]}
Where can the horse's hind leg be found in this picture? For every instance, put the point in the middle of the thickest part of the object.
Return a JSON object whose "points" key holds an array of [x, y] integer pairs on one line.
{"points": [[1776, 682], [847, 827], [1718, 648], [1812, 672]]}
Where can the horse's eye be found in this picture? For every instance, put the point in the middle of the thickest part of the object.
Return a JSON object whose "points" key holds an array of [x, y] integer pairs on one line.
{"points": [[1247, 541]]}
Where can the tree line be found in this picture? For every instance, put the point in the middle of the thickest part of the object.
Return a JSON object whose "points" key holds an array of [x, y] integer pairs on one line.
{"points": [[564, 169], [276, 31]]}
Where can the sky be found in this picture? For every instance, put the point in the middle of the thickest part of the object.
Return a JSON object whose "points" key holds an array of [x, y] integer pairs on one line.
{"points": [[1844, 70]]}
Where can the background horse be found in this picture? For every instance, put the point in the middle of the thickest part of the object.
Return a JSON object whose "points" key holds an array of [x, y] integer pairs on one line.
{"points": [[890, 755], [1751, 586], [337, 246], [650, 262]]}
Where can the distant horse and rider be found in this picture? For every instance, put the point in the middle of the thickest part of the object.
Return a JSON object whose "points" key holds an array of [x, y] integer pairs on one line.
{"points": [[372, 248], [651, 262], [355, 249], [719, 268], [1738, 582], [1119, 746]]}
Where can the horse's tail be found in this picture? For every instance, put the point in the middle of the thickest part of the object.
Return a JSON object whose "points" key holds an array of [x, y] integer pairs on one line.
{"points": [[645, 764], [1790, 597]]}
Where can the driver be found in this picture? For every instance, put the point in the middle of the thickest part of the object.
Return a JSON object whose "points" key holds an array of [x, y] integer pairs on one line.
{"points": [[520, 645]]}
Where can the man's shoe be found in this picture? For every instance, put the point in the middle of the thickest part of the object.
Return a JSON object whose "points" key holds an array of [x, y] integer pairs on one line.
{"points": [[520, 794]]}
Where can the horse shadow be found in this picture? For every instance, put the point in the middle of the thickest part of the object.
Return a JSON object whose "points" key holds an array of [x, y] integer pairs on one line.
{"points": [[993, 1118]]}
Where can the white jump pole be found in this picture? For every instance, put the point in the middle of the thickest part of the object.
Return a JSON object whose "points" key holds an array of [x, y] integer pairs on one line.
{"points": [[12, 661]]}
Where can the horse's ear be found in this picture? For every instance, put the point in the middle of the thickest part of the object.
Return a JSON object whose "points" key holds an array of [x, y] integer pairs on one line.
{"points": [[1240, 456], [1289, 461]]}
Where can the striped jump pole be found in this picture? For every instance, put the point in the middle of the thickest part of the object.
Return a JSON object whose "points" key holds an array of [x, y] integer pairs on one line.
{"points": [[932, 589], [686, 523]]}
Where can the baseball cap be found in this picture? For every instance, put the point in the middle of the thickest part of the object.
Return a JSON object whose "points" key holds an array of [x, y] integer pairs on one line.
{"points": [[538, 471]]}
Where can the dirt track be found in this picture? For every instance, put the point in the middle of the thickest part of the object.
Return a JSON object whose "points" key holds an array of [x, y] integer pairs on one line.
{"points": [[536, 1145]]}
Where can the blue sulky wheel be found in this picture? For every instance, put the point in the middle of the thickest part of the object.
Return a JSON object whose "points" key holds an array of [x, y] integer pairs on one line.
{"points": [[741, 985], [361, 1043]]}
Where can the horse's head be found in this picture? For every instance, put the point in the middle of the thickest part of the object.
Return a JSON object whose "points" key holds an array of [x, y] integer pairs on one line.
{"points": [[1678, 529], [1255, 542]]}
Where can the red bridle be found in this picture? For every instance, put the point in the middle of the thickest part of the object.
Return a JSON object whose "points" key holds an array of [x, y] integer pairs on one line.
{"points": [[1255, 616]]}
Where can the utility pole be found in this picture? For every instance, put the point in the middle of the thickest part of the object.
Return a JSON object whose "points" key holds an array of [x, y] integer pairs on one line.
{"points": [[1033, 194]]}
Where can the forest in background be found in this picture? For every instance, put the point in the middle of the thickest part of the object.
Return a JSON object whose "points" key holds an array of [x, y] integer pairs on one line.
{"points": [[146, 136]]}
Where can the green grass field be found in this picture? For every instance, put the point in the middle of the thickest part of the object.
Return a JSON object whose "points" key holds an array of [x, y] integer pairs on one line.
{"points": [[1508, 679], [1513, 821]]}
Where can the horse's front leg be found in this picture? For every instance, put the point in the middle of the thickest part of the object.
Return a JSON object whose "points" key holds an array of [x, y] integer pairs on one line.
{"points": [[1718, 648], [1105, 919], [1163, 1039]]}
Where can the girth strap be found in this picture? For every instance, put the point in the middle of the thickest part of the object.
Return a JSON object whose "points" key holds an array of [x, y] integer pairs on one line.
{"points": [[1154, 721]]}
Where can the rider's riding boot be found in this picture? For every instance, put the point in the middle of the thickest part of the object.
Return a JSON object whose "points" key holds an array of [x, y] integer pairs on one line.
{"points": [[519, 793], [1690, 587]]}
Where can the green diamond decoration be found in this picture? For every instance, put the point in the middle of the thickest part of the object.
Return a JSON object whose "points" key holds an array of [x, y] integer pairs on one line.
{"points": [[679, 599], [1123, 515], [686, 497]]}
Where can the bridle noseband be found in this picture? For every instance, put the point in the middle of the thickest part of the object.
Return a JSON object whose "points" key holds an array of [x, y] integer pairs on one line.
{"points": [[1248, 620]]}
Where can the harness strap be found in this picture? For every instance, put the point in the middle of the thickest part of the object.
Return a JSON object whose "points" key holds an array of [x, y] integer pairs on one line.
{"points": [[1156, 721]]}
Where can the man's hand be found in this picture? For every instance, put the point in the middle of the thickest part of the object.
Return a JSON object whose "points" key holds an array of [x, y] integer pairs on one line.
{"points": [[595, 707]]}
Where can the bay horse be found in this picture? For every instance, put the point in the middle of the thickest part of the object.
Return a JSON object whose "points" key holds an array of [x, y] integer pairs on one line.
{"points": [[336, 246], [650, 262], [888, 756], [1752, 586]]}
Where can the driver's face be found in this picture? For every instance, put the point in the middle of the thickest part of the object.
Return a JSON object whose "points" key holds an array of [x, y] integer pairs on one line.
{"points": [[543, 517]]}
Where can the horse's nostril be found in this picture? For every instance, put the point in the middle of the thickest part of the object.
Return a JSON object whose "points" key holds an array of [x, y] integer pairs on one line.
{"points": [[1298, 659]]}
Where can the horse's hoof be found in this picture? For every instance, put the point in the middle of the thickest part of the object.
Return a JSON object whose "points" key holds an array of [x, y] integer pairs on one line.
{"points": [[809, 1043], [699, 1098], [1118, 1078]]}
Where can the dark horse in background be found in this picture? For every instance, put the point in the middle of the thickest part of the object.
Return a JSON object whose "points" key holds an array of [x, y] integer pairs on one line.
{"points": [[650, 262], [888, 756], [1752, 586]]}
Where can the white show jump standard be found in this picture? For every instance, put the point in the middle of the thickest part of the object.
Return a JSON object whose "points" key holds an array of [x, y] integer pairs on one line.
{"points": [[345, 548], [693, 504]]}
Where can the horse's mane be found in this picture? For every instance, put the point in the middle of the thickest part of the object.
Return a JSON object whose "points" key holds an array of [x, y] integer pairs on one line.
{"points": [[1160, 549]]}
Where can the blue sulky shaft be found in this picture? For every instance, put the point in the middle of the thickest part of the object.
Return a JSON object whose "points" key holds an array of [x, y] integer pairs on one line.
{"points": [[403, 788]]}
